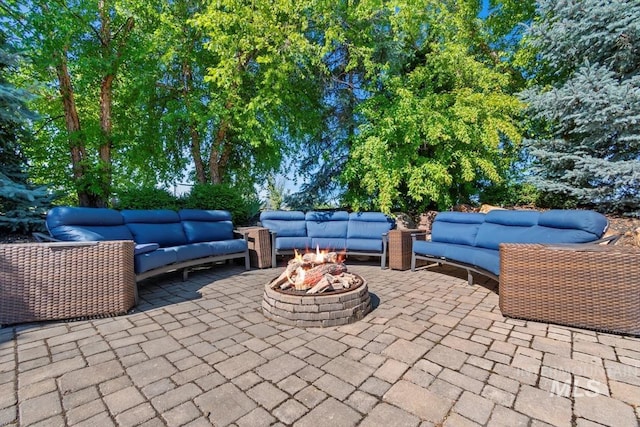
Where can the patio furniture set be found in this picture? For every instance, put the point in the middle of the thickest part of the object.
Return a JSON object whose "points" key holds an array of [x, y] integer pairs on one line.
{"points": [[552, 266]]}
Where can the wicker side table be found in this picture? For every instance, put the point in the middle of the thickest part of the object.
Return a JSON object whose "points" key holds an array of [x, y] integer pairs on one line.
{"points": [[400, 247], [49, 281], [587, 286], [259, 241]]}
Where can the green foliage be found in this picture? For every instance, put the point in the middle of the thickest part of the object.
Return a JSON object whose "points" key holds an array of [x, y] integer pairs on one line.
{"points": [[585, 136], [146, 198], [22, 205], [444, 122], [511, 194], [243, 205]]}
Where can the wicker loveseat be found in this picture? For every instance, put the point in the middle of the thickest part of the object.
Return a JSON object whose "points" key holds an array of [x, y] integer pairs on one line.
{"points": [[356, 233], [472, 240], [165, 240]]}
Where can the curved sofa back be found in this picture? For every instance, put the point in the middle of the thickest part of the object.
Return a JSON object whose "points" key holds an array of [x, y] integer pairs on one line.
{"points": [[86, 224], [513, 226]]}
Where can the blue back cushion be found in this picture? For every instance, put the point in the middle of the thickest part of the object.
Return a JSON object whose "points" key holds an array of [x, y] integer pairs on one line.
{"points": [[588, 221], [327, 224], [160, 226], [86, 224], [285, 223], [507, 226], [368, 225], [206, 226], [456, 227]]}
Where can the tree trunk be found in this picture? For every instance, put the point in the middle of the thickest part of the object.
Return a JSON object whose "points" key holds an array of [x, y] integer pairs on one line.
{"points": [[187, 77], [76, 140], [220, 154]]}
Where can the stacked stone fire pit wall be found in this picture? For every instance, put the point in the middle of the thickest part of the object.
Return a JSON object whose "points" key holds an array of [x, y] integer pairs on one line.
{"points": [[319, 310]]}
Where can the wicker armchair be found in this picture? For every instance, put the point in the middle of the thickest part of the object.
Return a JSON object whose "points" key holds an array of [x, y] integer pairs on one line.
{"points": [[48, 281]]}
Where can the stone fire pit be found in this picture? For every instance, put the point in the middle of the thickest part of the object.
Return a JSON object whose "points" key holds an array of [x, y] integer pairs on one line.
{"points": [[315, 290]]}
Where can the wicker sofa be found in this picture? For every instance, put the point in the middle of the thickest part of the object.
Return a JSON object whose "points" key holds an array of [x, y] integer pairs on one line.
{"points": [[472, 240], [165, 240], [356, 233]]}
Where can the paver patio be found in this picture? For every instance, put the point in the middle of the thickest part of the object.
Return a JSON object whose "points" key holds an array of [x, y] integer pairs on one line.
{"points": [[434, 351]]}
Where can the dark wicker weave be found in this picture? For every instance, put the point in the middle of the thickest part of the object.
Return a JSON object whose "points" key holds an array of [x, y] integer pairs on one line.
{"points": [[400, 247], [259, 242], [48, 281], [587, 286]]}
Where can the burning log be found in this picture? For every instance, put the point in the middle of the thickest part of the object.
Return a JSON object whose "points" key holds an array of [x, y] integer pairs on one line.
{"points": [[306, 279], [305, 271]]}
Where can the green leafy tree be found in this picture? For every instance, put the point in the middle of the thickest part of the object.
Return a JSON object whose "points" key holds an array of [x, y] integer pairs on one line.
{"points": [[585, 106], [73, 51], [21, 204], [441, 121], [263, 82]]}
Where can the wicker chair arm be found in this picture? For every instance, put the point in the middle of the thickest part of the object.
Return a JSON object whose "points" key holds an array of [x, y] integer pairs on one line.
{"points": [[609, 240]]}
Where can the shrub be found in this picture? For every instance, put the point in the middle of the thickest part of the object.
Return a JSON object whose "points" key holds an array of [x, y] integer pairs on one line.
{"points": [[242, 204], [146, 198]]}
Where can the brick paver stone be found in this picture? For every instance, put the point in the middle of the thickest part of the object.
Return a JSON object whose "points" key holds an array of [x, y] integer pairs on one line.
{"points": [[150, 371], [225, 404], [353, 372], [280, 368], [239, 364], [39, 408], [605, 410], [404, 351], [544, 406], [267, 395], [327, 347], [384, 415], [330, 413], [91, 375], [418, 401]]}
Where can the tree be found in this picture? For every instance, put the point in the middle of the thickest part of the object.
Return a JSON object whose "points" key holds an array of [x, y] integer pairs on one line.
{"points": [[21, 204], [75, 50], [585, 105], [440, 122], [263, 85]]}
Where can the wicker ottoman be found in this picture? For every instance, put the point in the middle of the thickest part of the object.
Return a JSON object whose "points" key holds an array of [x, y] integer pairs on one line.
{"points": [[49, 281], [587, 286], [400, 248]]}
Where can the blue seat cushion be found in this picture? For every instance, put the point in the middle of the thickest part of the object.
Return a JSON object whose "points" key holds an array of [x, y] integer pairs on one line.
{"points": [[158, 258], [364, 245], [487, 259], [290, 243], [143, 248], [191, 251], [224, 247], [329, 243], [520, 218]]}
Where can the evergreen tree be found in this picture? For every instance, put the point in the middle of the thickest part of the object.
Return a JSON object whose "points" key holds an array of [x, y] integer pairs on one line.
{"points": [[586, 102], [21, 205]]}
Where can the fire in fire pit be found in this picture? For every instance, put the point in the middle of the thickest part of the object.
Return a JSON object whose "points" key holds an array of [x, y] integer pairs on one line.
{"points": [[316, 272], [315, 290]]}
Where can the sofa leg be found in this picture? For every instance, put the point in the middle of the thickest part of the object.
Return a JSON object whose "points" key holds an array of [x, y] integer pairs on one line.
{"points": [[469, 278], [247, 261], [413, 261], [185, 274]]}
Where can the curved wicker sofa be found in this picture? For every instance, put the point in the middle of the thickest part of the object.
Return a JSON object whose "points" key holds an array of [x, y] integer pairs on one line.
{"points": [[472, 240], [356, 233], [165, 240]]}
